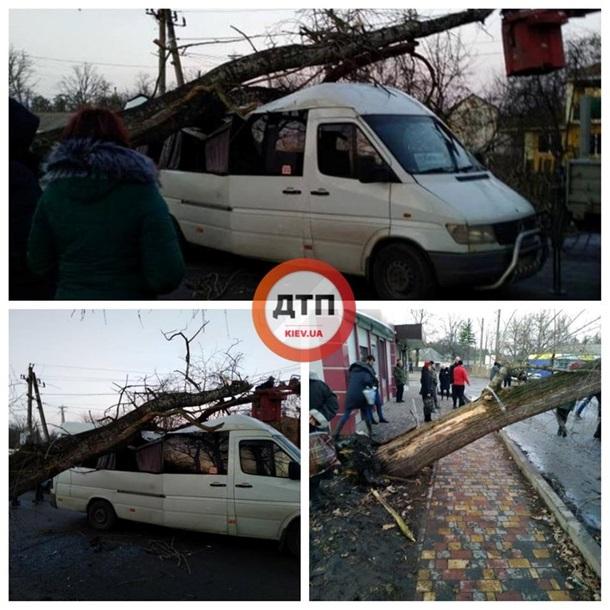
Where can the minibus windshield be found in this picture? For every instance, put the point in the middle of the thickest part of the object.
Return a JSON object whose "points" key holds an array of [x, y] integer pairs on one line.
{"points": [[421, 144]]}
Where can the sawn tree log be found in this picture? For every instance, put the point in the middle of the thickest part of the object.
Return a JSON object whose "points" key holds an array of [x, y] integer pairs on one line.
{"points": [[410, 452], [33, 464]]}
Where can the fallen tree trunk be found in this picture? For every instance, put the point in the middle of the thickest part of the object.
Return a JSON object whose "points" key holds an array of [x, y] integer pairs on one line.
{"points": [[160, 117], [410, 452], [33, 464]]}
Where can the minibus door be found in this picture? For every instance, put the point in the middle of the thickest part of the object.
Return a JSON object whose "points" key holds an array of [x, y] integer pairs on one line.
{"points": [[348, 191], [264, 494], [195, 482], [267, 194]]}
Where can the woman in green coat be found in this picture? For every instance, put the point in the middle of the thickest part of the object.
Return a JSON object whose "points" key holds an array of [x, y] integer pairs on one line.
{"points": [[101, 227]]}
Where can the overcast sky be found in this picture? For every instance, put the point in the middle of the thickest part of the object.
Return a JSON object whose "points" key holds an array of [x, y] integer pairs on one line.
{"points": [[585, 315], [79, 359], [120, 42]]}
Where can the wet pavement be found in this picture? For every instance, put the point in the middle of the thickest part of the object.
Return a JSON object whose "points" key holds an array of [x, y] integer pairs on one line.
{"points": [[485, 538], [214, 275], [572, 465], [54, 555]]}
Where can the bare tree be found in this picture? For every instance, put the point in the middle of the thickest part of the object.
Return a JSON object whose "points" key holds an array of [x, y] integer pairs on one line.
{"points": [[144, 85], [20, 76], [84, 86]]}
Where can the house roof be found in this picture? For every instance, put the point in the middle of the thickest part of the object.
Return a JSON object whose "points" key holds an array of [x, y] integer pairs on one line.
{"points": [[377, 326], [361, 97], [470, 96]]}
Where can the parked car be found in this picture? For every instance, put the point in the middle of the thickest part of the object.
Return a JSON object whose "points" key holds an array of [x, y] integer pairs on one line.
{"points": [[242, 479], [361, 176]]}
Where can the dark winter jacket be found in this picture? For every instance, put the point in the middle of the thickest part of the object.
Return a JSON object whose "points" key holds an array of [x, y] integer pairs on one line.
{"points": [[427, 383], [24, 192], [444, 378], [399, 375], [361, 376], [102, 226], [494, 371], [322, 399]]}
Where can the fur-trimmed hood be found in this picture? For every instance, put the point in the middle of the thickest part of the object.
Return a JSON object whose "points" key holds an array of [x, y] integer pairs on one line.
{"points": [[103, 161]]}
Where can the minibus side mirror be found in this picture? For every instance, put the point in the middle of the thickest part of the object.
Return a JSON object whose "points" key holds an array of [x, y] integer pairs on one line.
{"points": [[294, 471], [375, 173]]}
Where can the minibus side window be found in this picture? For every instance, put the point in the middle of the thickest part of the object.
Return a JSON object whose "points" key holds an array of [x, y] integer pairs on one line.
{"points": [[270, 144], [201, 453], [343, 151], [263, 458]]}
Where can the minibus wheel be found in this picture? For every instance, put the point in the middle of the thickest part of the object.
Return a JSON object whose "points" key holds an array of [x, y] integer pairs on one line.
{"points": [[400, 271], [101, 515], [293, 538]]}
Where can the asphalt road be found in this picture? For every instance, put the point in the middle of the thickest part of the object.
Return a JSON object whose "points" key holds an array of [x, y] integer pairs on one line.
{"points": [[215, 275], [54, 555]]}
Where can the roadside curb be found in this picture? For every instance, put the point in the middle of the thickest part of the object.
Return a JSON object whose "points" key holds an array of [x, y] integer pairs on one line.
{"points": [[590, 550]]}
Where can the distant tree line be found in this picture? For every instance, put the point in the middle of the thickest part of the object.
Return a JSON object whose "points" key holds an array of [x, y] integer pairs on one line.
{"points": [[84, 85]]}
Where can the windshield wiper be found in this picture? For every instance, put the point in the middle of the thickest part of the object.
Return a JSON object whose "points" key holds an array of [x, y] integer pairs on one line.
{"points": [[437, 170]]}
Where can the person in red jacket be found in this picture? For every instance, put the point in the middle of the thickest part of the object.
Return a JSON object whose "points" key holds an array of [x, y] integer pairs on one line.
{"points": [[460, 380]]}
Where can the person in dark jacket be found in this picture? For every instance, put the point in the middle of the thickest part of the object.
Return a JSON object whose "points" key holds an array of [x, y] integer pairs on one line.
{"points": [[101, 224], [399, 380], [445, 381], [427, 390], [451, 369], [323, 404], [561, 413], [370, 361], [361, 376], [24, 192]]}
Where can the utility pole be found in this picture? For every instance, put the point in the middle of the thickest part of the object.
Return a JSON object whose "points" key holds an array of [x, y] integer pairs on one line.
{"points": [[159, 15], [171, 18], [43, 420], [29, 380], [62, 410], [498, 335]]}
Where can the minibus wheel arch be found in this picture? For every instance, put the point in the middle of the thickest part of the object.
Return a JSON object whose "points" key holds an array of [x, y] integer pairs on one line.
{"points": [[402, 256], [100, 514], [291, 538]]}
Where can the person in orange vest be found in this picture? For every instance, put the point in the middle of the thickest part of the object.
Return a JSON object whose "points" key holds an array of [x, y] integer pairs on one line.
{"points": [[460, 381]]}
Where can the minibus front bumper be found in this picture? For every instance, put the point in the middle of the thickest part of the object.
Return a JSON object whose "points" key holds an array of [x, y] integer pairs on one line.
{"points": [[492, 269]]}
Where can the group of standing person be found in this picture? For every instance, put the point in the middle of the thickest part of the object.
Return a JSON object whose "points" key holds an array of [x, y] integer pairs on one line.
{"points": [[435, 378], [90, 223]]}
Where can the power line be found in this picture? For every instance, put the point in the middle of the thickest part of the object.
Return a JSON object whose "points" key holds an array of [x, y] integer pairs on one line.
{"points": [[93, 63]]}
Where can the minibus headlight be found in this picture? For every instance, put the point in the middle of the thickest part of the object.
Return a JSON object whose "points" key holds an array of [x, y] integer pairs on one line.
{"points": [[465, 234]]}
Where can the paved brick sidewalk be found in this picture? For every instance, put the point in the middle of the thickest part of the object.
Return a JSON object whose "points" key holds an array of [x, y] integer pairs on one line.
{"points": [[480, 541]]}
